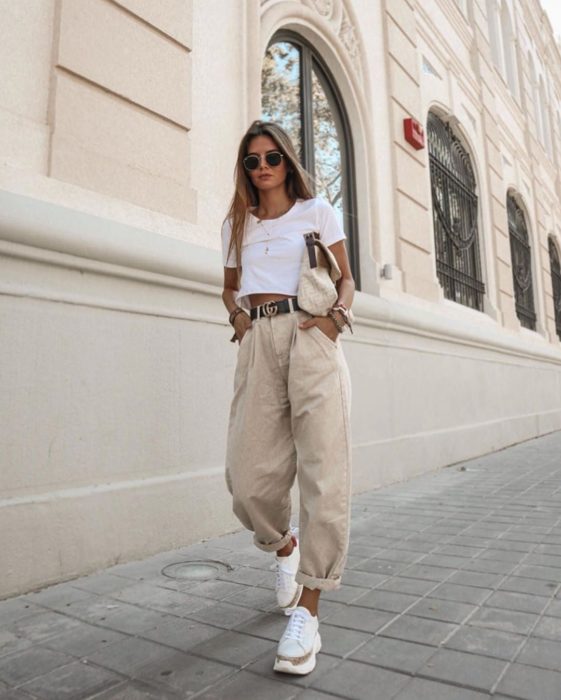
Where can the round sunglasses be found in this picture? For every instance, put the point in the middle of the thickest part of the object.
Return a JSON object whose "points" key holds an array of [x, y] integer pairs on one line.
{"points": [[273, 158]]}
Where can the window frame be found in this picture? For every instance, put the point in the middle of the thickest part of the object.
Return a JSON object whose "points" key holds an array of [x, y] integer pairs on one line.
{"points": [[311, 60]]}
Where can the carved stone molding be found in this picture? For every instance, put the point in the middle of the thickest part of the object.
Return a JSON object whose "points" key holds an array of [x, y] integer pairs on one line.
{"points": [[336, 14]]}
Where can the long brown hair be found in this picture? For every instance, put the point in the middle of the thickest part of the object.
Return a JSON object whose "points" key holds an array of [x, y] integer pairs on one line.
{"points": [[298, 181]]}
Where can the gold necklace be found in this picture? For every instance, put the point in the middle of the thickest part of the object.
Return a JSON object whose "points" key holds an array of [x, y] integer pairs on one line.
{"points": [[267, 231]]}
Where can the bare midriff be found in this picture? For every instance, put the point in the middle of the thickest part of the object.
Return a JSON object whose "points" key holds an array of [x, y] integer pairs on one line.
{"points": [[258, 299]]}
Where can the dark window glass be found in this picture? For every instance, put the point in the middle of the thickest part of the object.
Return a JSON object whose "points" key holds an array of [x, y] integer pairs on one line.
{"points": [[454, 204], [555, 283], [521, 258], [299, 93]]}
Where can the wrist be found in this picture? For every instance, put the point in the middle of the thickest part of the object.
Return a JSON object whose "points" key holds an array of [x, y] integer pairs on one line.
{"points": [[234, 313], [338, 324]]}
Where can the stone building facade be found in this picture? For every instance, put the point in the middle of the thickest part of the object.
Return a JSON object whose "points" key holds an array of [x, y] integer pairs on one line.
{"points": [[119, 124]]}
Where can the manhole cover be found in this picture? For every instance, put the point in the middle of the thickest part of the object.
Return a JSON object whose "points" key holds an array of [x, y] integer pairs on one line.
{"points": [[195, 570]]}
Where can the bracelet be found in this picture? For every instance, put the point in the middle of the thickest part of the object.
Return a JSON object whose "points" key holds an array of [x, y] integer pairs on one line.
{"points": [[234, 313], [344, 311], [332, 316]]}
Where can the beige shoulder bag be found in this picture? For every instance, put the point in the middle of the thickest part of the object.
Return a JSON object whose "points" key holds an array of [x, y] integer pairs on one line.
{"points": [[318, 273]]}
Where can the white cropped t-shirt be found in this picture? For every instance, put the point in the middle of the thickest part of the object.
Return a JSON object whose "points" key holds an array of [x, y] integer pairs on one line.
{"points": [[272, 249]]}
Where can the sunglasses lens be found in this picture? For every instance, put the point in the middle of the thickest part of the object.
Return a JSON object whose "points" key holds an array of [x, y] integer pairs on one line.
{"points": [[273, 158], [251, 162]]}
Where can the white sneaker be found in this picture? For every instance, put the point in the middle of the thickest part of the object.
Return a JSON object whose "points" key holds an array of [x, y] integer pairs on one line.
{"points": [[287, 590], [299, 644]]}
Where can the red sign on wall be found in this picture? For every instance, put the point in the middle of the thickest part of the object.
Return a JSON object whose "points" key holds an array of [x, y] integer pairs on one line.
{"points": [[414, 133]]}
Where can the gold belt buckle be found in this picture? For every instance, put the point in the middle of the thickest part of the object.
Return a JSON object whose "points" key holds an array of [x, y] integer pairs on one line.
{"points": [[269, 308]]}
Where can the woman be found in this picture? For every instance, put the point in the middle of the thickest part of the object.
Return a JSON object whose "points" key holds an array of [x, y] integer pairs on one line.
{"points": [[290, 411]]}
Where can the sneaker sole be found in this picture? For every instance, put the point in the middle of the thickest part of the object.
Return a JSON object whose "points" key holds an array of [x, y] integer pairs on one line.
{"points": [[288, 609], [299, 669]]}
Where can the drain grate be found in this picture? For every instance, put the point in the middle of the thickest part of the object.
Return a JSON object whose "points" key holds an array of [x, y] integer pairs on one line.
{"points": [[202, 570]]}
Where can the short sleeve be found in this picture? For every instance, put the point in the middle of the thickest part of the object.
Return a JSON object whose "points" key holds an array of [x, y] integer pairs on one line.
{"points": [[226, 235], [329, 226]]}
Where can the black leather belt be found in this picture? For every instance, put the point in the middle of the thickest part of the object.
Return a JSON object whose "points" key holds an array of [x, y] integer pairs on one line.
{"points": [[272, 308]]}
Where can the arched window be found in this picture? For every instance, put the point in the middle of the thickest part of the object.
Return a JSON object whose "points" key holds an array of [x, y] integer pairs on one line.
{"points": [[509, 52], [555, 283], [521, 257], [299, 93], [454, 204]]}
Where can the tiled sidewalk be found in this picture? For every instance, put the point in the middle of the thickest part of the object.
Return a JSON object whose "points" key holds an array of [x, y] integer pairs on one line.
{"points": [[452, 592]]}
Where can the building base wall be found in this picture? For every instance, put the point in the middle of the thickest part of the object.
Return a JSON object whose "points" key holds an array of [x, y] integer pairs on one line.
{"points": [[117, 376]]}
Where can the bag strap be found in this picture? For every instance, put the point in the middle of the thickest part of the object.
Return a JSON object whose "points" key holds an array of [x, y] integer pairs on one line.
{"points": [[311, 239]]}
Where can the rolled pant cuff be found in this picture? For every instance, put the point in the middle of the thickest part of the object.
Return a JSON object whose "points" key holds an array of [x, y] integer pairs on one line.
{"points": [[324, 584], [274, 546]]}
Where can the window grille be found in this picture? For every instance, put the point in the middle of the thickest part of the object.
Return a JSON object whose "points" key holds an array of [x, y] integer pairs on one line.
{"points": [[521, 258], [556, 284], [454, 205]]}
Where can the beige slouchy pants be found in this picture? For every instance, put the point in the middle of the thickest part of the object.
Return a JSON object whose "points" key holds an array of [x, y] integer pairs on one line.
{"points": [[290, 416]]}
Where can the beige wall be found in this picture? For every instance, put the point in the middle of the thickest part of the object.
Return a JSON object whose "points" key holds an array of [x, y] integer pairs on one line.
{"points": [[119, 124]]}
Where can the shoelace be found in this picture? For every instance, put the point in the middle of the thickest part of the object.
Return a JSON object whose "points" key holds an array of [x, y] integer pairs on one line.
{"points": [[284, 576], [295, 626]]}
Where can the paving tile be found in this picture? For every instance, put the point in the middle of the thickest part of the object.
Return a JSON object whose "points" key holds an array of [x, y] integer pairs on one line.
{"points": [[361, 619], [394, 654], [476, 578], [402, 584], [224, 615], [339, 641], [420, 689], [72, 682], [358, 681], [344, 594], [180, 633], [248, 576], [16, 694], [388, 601], [380, 566], [487, 566], [460, 594], [486, 642], [517, 601], [184, 672], [101, 584], [549, 628], [543, 573], [554, 608], [363, 579], [234, 648], [542, 653], [266, 625], [10, 642], [16, 609], [22, 666], [418, 629], [429, 573], [530, 683], [58, 597], [83, 639], [445, 610], [41, 626], [467, 670], [217, 589], [248, 686], [129, 655], [138, 690], [257, 598], [520, 584]]}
